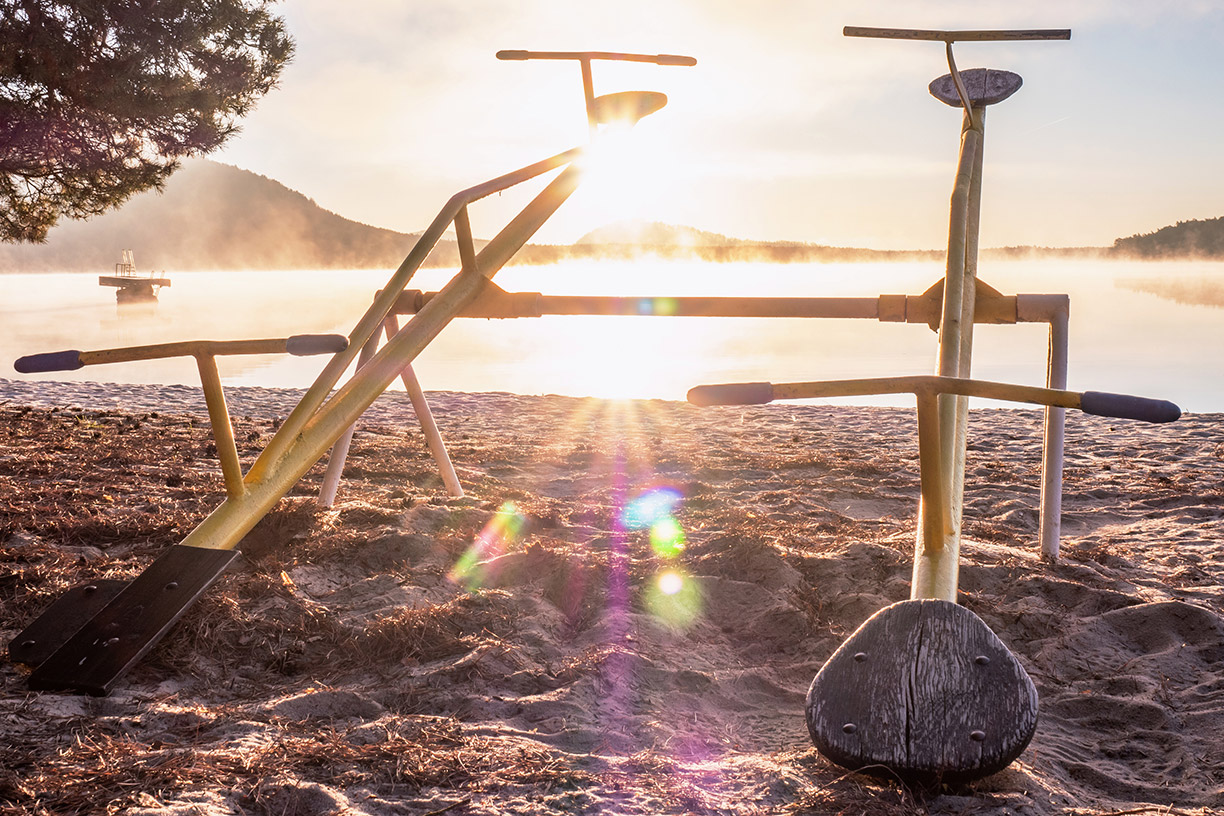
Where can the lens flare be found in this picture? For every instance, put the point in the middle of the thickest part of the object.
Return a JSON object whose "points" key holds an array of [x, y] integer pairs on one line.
{"points": [[674, 599], [495, 539], [667, 537], [651, 507], [670, 583]]}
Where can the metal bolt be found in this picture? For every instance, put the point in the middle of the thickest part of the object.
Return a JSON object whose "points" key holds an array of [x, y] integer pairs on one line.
{"points": [[110, 642], [859, 657], [171, 586], [89, 589], [849, 728], [27, 644], [977, 736], [982, 660]]}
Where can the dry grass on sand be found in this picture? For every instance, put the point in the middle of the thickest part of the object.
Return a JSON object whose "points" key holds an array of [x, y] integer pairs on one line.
{"points": [[512, 652]]}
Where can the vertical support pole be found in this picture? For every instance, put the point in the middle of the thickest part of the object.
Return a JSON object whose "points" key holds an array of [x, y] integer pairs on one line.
{"points": [[588, 90], [1055, 435], [936, 564], [339, 451], [433, 437], [223, 431], [930, 467]]}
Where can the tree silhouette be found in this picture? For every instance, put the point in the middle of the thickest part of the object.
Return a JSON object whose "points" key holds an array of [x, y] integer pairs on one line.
{"points": [[99, 99]]}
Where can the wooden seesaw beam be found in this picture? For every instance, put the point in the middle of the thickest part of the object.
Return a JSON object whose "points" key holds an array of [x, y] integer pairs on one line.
{"points": [[989, 306], [93, 656]]}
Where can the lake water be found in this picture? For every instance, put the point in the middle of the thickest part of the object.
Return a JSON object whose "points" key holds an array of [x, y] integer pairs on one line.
{"points": [[1153, 329]]}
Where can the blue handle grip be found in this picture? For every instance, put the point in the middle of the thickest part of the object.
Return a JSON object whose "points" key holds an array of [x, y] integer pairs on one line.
{"points": [[1123, 406], [757, 393], [303, 345], [51, 361]]}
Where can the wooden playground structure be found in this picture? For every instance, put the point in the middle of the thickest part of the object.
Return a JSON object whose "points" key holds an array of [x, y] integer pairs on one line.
{"points": [[923, 689]]}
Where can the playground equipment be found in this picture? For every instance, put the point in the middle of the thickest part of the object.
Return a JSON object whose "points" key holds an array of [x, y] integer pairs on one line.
{"points": [[980, 303], [86, 641], [924, 690]]}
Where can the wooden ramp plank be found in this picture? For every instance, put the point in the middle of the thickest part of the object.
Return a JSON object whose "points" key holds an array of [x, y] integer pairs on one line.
{"points": [[923, 690], [127, 627], [62, 619]]}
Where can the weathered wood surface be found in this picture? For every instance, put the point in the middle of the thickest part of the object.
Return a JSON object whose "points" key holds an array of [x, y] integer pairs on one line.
{"points": [[93, 658], [63, 619], [926, 691], [985, 86]]}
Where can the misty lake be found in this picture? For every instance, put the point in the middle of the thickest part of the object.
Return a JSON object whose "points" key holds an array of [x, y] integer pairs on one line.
{"points": [[1148, 328]]}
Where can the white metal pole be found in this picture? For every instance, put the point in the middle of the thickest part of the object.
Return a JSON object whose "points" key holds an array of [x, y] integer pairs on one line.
{"points": [[430, 428], [339, 451], [1055, 435]]}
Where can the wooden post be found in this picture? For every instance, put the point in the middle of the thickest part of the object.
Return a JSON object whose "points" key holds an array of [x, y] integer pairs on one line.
{"points": [[223, 430], [936, 564]]}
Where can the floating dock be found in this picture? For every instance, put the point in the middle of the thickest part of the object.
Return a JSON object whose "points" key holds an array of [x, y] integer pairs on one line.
{"points": [[132, 287]]}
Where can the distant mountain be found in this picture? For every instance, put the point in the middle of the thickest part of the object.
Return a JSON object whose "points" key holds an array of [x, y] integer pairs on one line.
{"points": [[213, 216], [629, 238], [1185, 239], [653, 233]]}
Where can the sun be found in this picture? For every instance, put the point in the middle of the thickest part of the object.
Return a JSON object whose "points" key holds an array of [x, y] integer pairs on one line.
{"points": [[626, 174]]}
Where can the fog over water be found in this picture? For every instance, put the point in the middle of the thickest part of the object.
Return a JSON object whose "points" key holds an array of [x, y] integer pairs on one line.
{"points": [[1153, 329]]}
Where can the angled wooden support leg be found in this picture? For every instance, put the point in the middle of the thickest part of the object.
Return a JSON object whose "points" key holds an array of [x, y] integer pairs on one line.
{"points": [[433, 437]]}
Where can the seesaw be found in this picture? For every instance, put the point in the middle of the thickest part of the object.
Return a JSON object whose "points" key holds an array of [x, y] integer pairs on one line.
{"points": [[91, 636], [978, 303], [923, 690]]}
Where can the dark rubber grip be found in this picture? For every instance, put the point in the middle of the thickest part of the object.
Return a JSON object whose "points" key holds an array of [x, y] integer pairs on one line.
{"points": [[303, 345], [1124, 406], [757, 393], [51, 361]]}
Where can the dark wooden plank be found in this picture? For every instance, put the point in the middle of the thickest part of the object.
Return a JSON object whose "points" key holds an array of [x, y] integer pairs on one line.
{"points": [[985, 86], [926, 691], [61, 620], [111, 642]]}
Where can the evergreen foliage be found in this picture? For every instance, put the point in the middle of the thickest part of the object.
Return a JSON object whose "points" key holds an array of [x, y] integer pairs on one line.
{"points": [[1185, 239], [100, 99]]}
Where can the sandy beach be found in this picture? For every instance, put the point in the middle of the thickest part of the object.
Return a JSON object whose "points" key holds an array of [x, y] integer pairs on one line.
{"points": [[622, 616]]}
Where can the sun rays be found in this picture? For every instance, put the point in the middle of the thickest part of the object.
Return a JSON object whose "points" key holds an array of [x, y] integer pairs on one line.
{"points": [[641, 520]]}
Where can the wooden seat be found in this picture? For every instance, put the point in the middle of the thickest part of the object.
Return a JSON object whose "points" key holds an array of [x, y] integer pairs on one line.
{"points": [[985, 86], [627, 106], [925, 692]]}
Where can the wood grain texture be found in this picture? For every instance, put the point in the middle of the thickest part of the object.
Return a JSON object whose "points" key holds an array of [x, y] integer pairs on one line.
{"points": [[925, 691], [985, 86], [111, 642]]}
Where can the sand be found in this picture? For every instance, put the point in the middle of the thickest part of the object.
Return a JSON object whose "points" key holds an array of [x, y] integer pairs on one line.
{"points": [[514, 651]]}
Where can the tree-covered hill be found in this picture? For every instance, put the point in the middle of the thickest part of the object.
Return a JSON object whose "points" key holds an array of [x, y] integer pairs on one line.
{"points": [[213, 216], [1185, 239]]}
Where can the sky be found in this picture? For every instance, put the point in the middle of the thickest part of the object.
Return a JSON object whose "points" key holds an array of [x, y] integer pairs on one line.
{"points": [[784, 130]]}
